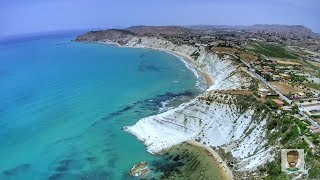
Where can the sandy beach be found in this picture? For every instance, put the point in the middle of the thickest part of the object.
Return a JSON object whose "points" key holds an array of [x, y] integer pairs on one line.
{"points": [[208, 79], [226, 173]]}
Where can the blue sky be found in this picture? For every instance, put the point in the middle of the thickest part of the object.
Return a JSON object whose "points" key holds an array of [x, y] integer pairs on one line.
{"points": [[29, 16]]}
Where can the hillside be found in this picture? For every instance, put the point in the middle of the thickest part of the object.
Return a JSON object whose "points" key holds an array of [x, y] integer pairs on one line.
{"points": [[290, 30]]}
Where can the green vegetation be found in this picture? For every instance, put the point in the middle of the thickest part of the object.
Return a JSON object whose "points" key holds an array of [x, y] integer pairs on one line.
{"points": [[297, 79], [244, 105], [289, 130], [195, 55], [272, 105], [270, 50], [124, 31], [312, 85], [315, 116], [268, 77], [295, 109], [273, 169], [316, 68]]}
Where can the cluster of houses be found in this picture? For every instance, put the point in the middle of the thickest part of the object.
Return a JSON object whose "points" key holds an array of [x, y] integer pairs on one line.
{"points": [[311, 107], [266, 93], [273, 71]]}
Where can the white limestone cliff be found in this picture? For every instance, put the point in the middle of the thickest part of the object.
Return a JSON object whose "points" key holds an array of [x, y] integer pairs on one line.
{"points": [[218, 123], [214, 119], [224, 71]]}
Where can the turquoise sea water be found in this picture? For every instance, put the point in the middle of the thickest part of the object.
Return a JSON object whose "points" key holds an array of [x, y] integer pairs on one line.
{"points": [[63, 106]]}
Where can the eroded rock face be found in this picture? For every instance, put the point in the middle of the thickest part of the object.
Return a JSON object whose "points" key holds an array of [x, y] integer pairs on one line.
{"points": [[214, 119]]}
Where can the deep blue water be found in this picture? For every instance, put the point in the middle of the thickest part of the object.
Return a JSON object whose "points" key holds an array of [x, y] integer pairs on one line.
{"points": [[63, 105]]}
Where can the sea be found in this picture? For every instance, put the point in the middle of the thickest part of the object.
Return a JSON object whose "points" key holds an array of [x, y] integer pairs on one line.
{"points": [[63, 106]]}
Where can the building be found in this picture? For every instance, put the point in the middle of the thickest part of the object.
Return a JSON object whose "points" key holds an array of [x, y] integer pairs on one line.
{"points": [[278, 102], [313, 129], [299, 95], [285, 76], [263, 92], [276, 78], [287, 108]]}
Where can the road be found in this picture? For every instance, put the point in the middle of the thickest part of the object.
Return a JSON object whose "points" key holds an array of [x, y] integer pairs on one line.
{"points": [[307, 99], [311, 145], [301, 112]]}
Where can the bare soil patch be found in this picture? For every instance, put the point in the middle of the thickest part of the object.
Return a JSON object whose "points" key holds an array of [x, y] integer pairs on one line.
{"points": [[285, 88]]}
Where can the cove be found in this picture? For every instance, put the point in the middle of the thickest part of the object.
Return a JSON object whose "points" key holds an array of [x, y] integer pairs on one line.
{"points": [[63, 106]]}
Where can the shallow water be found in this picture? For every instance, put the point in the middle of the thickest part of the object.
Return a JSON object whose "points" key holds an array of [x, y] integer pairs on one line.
{"points": [[63, 105], [184, 161]]}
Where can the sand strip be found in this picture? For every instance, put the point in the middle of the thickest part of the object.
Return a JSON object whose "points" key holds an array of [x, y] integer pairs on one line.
{"points": [[190, 61]]}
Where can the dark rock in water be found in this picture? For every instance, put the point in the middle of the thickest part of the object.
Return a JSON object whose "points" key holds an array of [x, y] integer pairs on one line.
{"points": [[66, 162], [155, 103], [107, 150], [61, 168], [91, 159], [16, 170], [55, 176], [147, 105], [96, 175], [142, 55], [112, 161], [64, 165], [63, 176], [144, 67], [113, 114], [112, 135]]}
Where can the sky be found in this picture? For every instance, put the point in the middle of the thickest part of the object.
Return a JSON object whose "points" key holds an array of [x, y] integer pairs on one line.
{"points": [[32, 16]]}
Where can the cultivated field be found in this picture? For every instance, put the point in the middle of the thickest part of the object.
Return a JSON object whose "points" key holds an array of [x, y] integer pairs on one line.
{"points": [[248, 57], [288, 62], [285, 88], [315, 63], [270, 50]]}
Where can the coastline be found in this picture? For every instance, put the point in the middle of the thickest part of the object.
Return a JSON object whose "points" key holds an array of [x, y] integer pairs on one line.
{"points": [[207, 78], [225, 172]]}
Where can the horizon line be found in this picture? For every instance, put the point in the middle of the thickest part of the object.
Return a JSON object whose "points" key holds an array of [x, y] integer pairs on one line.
{"points": [[39, 33]]}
